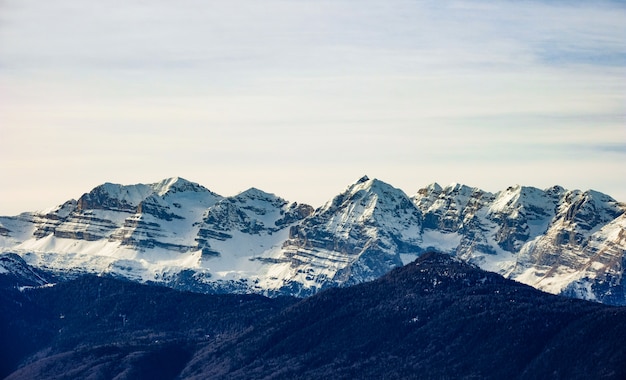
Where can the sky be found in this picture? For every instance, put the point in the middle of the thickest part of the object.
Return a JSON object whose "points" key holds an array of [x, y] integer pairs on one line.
{"points": [[301, 98]]}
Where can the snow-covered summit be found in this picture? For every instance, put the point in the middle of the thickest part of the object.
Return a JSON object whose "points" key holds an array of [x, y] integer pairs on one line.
{"points": [[363, 208], [357, 236], [176, 185], [252, 211], [115, 197], [254, 195]]}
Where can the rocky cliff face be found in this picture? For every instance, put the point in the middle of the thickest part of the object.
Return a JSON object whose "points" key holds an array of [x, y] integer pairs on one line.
{"points": [[179, 233], [137, 216], [358, 236], [252, 213], [554, 239]]}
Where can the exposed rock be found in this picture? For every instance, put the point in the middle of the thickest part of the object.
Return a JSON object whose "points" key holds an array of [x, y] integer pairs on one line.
{"points": [[556, 240]]}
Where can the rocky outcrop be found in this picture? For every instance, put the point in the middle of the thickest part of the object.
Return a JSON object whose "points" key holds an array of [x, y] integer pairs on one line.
{"points": [[355, 237], [294, 213], [552, 237], [15, 273], [250, 213], [114, 197]]}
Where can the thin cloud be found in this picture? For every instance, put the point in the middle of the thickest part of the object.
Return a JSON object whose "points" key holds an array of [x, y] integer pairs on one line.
{"points": [[127, 90], [617, 148]]}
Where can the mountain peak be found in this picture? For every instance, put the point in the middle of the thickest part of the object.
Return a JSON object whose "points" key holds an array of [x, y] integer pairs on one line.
{"points": [[255, 193], [460, 189], [371, 185], [176, 185], [114, 196], [594, 194], [434, 187], [363, 179], [432, 190]]}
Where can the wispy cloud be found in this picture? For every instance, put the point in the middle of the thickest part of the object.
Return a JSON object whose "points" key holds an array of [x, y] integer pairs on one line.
{"points": [[249, 86], [617, 148]]}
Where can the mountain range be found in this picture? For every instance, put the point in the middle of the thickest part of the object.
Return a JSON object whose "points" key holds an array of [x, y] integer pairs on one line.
{"points": [[180, 234], [437, 317]]}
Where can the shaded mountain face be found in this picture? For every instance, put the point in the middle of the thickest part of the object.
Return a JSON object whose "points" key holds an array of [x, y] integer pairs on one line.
{"points": [[437, 317], [103, 327], [434, 318], [182, 235], [16, 273]]}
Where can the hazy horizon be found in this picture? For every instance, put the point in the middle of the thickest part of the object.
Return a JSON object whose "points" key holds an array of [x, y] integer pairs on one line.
{"points": [[302, 98]]}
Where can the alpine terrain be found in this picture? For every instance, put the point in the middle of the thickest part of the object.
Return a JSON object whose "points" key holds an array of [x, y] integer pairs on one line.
{"points": [[180, 234]]}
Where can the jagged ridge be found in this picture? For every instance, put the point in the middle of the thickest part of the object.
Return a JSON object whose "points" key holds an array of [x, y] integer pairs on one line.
{"points": [[179, 233]]}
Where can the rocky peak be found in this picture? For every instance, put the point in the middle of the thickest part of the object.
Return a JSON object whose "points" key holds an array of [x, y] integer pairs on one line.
{"points": [[555, 191], [463, 196], [360, 234], [363, 179], [372, 185], [434, 188], [176, 185], [521, 213], [458, 189], [518, 201], [367, 202], [252, 211], [581, 213], [449, 208], [254, 195], [586, 210], [426, 196], [110, 196], [127, 198]]}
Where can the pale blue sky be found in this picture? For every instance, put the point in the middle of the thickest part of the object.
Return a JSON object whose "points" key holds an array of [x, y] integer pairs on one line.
{"points": [[301, 98]]}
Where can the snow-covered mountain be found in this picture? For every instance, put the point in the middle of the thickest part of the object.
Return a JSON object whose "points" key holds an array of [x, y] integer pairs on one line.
{"points": [[358, 236], [181, 234], [557, 240]]}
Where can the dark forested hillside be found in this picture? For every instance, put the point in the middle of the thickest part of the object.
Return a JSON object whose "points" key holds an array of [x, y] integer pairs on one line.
{"points": [[104, 326], [435, 318]]}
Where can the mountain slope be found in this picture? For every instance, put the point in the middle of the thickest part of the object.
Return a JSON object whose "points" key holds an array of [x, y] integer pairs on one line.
{"points": [[554, 239], [111, 228], [357, 236], [16, 273], [435, 318], [104, 327], [156, 233]]}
